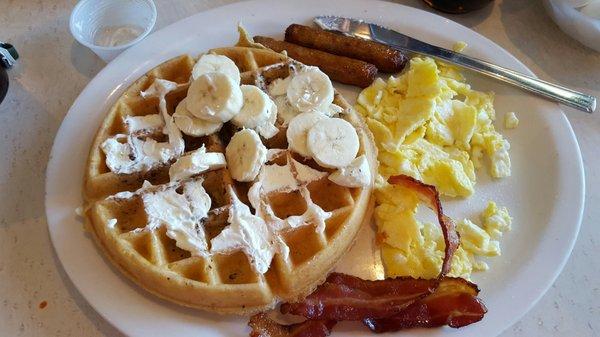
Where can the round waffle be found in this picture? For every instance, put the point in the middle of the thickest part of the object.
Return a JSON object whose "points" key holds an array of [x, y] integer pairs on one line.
{"points": [[224, 282]]}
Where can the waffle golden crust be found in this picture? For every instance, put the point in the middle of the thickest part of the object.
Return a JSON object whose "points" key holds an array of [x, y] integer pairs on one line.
{"points": [[223, 283]]}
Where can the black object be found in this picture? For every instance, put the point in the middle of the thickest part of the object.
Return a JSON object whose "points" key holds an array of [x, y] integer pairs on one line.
{"points": [[3, 83], [457, 6], [8, 57]]}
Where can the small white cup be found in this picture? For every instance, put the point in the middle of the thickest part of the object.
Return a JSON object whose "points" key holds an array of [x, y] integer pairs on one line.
{"points": [[91, 19]]}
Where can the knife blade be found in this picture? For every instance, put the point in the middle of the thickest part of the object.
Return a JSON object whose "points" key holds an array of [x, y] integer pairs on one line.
{"points": [[394, 39]]}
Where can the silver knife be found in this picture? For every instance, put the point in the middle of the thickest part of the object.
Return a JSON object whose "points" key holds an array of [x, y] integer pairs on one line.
{"points": [[373, 32]]}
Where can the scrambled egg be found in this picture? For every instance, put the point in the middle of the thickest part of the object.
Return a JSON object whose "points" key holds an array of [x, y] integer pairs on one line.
{"points": [[459, 46], [510, 120], [410, 247], [429, 124], [496, 220]]}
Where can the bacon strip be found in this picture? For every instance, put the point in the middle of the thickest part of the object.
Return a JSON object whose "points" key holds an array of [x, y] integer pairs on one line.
{"points": [[348, 298], [454, 303], [429, 195], [263, 326]]}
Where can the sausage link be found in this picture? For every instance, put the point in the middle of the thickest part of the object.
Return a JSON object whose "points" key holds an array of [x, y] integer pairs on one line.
{"points": [[338, 68], [386, 59]]}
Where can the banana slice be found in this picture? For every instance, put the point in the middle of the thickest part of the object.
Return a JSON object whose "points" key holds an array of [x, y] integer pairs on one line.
{"points": [[258, 112], [193, 126], [332, 142], [310, 90], [214, 97], [245, 155], [357, 174], [297, 131], [209, 63], [257, 108], [285, 111], [268, 129]]}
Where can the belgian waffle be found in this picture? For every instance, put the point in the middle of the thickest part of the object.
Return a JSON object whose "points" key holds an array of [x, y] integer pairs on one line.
{"points": [[223, 283]]}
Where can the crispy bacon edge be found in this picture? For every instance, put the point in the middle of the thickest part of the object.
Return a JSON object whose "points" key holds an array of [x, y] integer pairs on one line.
{"points": [[429, 195], [454, 303], [263, 326], [348, 298]]}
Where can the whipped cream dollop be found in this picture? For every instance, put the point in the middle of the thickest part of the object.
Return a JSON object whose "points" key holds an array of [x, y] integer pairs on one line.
{"points": [[127, 154], [181, 214], [131, 153], [160, 88], [146, 186], [294, 176], [288, 177], [246, 232], [314, 214], [147, 123], [258, 235], [196, 162]]}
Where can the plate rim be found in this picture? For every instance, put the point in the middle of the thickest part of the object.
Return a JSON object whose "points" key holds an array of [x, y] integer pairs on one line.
{"points": [[577, 207]]}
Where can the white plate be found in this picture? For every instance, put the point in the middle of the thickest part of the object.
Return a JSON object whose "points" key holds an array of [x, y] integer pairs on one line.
{"points": [[572, 21], [544, 195]]}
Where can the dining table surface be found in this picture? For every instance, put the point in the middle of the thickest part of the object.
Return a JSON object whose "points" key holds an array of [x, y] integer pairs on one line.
{"points": [[36, 296]]}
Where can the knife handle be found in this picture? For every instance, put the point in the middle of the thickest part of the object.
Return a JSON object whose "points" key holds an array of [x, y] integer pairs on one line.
{"points": [[555, 92]]}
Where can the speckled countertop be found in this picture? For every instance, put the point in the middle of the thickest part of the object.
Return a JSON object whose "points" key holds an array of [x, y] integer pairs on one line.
{"points": [[36, 296]]}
